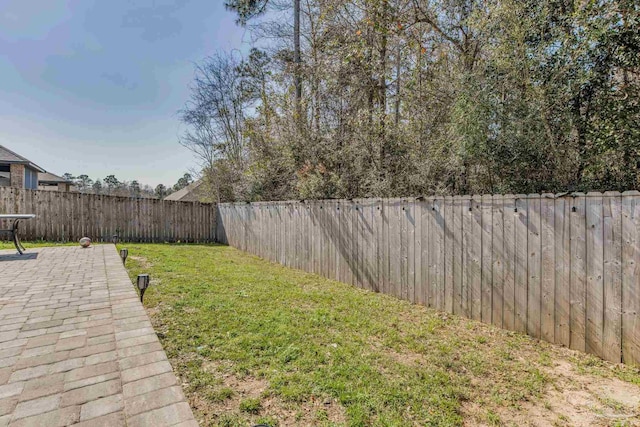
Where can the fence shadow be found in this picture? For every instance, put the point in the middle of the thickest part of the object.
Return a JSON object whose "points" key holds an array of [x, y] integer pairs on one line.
{"points": [[18, 257], [553, 266]]}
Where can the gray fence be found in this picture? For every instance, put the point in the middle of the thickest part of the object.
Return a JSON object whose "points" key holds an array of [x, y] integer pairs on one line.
{"points": [[562, 268], [70, 216]]}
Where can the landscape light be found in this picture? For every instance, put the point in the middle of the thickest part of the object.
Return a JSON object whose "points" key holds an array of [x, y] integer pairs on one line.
{"points": [[114, 239], [143, 284], [124, 253]]}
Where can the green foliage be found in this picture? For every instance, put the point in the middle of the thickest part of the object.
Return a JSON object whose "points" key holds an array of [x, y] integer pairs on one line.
{"points": [[161, 191], [183, 182], [112, 186], [250, 406], [246, 9]]}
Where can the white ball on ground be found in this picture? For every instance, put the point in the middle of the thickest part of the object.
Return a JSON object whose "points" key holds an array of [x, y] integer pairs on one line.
{"points": [[85, 242]]}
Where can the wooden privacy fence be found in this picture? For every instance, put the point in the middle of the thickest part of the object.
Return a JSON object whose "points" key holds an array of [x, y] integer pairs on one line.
{"points": [[562, 268], [70, 216]]}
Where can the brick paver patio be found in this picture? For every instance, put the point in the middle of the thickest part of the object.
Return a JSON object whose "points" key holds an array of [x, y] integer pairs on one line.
{"points": [[77, 347]]}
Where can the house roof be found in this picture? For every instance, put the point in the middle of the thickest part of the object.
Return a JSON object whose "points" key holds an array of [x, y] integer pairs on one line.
{"points": [[181, 194], [8, 156], [52, 178]]}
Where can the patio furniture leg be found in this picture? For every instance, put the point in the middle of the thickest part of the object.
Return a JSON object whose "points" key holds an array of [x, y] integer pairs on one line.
{"points": [[16, 240]]}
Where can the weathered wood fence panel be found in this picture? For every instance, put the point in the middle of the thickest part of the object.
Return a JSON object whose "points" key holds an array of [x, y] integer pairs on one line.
{"points": [[70, 216], [565, 268]]}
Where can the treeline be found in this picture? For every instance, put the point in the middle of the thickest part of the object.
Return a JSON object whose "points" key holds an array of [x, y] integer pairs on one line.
{"points": [[362, 98], [112, 186]]}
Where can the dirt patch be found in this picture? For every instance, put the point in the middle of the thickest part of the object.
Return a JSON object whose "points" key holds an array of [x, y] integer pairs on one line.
{"points": [[233, 390], [142, 261], [154, 313], [225, 400], [407, 357], [313, 412], [572, 399]]}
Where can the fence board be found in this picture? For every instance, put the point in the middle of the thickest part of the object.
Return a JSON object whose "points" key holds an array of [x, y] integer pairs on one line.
{"points": [[509, 218], [362, 245], [299, 246], [487, 257], [395, 210], [595, 284], [630, 274], [578, 273], [384, 246], [533, 266], [425, 207], [438, 255], [497, 273], [358, 230], [371, 255], [475, 265], [547, 276], [612, 330], [467, 243], [335, 241], [353, 243], [458, 272], [402, 218], [377, 230], [448, 254], [431, 257], [320, 233], [326, 242], [341, 248], [408, 243], [417, 252], [521, 263]]}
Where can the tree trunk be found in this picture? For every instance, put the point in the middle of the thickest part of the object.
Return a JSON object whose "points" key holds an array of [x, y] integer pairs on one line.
{"points": [[398, 66], [382, 91], [296, 56]]}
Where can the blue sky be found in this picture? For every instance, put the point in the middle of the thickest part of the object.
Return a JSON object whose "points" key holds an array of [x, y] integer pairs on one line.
{"points": [[94, 86]]}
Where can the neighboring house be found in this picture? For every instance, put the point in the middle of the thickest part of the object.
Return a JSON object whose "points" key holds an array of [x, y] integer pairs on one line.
{"points": [[50, 182], [17, 171], [194, 192]]}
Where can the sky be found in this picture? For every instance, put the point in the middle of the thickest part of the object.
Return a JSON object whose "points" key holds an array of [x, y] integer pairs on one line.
{"points": [[94, 86]]}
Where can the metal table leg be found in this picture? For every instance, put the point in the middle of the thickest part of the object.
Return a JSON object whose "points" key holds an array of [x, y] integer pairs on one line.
{"points": [[16, 239]]}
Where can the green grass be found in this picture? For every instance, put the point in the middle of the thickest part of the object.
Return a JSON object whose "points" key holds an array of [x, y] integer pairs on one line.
{"points": [[251, 405], [9, 244], [222, 314]]}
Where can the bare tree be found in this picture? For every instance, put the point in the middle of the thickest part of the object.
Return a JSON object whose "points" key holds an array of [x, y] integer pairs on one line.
{"points": [[215, 112]]}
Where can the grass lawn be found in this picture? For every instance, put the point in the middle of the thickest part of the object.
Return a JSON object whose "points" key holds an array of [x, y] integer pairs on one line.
{"points": [[256, 342], [5, 244]]}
